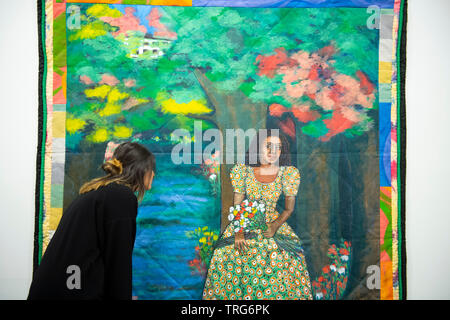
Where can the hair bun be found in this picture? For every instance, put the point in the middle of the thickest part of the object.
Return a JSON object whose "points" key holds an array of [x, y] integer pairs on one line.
{"points": [[113, 166]]}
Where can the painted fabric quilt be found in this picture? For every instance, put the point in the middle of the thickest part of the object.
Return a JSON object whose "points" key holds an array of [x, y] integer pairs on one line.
{"points": [[187, 79]]}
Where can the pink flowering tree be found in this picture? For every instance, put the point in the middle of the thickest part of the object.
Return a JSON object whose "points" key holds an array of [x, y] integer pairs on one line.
{"points": [[321, 102]]}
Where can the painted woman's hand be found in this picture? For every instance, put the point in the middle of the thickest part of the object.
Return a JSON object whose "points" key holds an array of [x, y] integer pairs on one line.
{"points": [[239, 242], [271, 230]]}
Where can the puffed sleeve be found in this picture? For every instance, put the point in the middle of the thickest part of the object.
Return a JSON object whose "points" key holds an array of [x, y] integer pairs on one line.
{"points": [[238, 174], [291, 181]]}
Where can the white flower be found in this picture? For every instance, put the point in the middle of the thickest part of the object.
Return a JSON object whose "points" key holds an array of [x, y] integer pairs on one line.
{"points": [[262, 209], [237, 230], [245, 202], [248, 209], [238, 207], [319, 295], [333, 267], [236, 223], [231, 217], [344, 258], [341, 270], [231, 209]]}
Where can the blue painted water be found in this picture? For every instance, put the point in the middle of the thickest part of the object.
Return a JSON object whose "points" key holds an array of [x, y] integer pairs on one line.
{"points": [[180, 201]]}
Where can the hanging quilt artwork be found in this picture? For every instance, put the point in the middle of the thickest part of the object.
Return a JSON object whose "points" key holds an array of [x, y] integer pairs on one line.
{"points": [[188, 79]]}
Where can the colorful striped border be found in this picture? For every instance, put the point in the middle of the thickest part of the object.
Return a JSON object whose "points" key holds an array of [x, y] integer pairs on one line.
{"points": [[392, 155]]}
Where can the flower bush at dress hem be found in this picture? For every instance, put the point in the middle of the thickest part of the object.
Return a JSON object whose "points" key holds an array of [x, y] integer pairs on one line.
{"points": [[332, 282]]}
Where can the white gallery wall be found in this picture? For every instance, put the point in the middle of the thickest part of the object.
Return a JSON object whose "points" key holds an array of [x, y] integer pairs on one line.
{"points": [[19, 65], [428, 147]]}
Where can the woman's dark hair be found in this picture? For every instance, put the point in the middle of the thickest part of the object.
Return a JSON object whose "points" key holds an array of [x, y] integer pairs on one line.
{"points": [[129, 166], [256, 144]]}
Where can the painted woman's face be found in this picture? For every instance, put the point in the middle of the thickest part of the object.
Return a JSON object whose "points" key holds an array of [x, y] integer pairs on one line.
{"points": [[271, 150]]}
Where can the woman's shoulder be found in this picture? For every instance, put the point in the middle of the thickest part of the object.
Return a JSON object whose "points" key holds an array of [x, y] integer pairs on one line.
{"points": [[239, 168], [114, 193], [119, 200], [239, 165], [290, 171], [115, 188], [118, 187], [111, 201]]}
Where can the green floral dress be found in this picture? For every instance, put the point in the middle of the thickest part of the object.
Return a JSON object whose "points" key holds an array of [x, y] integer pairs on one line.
{"points": [[268, 270]]}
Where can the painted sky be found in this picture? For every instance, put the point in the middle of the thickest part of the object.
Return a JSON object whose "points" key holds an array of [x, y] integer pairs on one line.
{"points": [[140, 18], [141, 13]]}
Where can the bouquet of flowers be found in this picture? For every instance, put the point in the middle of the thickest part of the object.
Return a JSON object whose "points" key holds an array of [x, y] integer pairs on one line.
{"points": [[248, 216]]}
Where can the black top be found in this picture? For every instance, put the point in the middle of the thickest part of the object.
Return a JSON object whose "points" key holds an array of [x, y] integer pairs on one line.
{"points": [[89, 256]]}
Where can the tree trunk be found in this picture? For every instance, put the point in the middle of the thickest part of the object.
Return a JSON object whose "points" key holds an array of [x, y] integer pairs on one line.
{"points": [[313, 198], [366, 218]]}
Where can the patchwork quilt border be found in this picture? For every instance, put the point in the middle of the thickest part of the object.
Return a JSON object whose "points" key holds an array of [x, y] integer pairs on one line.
{"points": [[51, 143]]}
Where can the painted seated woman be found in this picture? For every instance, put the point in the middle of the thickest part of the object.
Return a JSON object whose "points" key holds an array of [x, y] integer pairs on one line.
{"points": [[268, 262]]}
